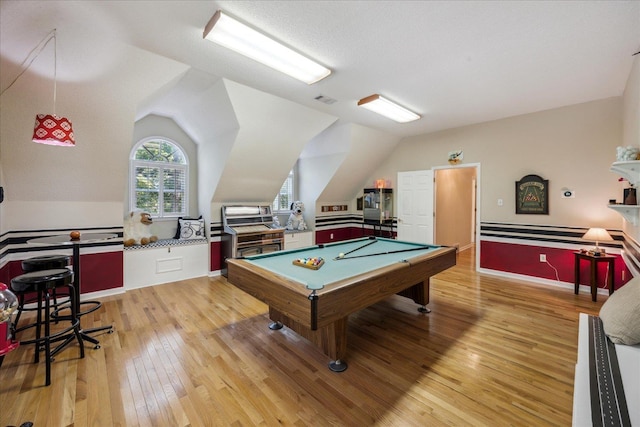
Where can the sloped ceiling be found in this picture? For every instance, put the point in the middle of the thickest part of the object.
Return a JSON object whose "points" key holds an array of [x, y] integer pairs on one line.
{"points": [[454, 62], [272, 133]]}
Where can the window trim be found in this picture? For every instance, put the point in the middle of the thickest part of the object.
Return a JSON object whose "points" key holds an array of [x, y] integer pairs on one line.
{"points": [[294, 190], [133, 163]]}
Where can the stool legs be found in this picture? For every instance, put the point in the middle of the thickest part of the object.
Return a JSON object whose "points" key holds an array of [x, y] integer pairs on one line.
{"points": [[44, 285], [48, 339]]}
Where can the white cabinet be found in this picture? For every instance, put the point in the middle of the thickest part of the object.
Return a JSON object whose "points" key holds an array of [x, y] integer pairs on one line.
{"points": [[299, 239], [147, 266], [631, 171]]}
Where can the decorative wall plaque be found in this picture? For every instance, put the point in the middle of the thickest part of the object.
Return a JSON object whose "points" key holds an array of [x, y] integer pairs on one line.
{"points": [[532, 195]]}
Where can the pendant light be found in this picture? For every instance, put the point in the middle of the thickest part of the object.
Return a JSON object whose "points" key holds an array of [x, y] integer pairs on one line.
{"points": [[49, 128]]}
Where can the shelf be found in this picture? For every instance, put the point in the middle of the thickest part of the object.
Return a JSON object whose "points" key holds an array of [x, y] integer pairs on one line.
{"points": [[629, 212], [629, 170]]}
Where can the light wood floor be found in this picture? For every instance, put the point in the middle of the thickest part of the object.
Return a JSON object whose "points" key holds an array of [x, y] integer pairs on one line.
{"points": [[492, 352]]}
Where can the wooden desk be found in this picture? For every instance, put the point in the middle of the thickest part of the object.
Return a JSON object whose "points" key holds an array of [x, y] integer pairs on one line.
{"points": [[594, 260]]}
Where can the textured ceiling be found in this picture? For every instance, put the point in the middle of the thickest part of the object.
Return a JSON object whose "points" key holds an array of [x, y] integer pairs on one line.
{"points": [[455, 62]]}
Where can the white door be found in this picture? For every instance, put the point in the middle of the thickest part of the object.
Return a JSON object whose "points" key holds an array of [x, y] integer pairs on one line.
{"points": [[415, 206]]}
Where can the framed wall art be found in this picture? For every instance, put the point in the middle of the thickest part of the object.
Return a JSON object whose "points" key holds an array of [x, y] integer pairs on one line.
{"points": [[532, 195]]}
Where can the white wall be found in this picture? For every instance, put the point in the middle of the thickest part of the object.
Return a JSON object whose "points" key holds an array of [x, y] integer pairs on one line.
{"points": [[368, 148], [272, 133], [69, 187], [572, 147], [2, 214], [631, 101], [631, 124]]}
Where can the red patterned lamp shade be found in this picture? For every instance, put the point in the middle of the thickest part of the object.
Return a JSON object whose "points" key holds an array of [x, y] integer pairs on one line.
{"points": [[53, 130]]}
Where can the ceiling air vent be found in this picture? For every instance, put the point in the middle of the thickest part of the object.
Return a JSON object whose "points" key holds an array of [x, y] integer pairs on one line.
{"points": [[325, 99]]}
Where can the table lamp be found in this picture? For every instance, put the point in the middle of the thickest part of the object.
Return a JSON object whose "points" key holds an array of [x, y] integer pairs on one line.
{"points": [[597, 235]]}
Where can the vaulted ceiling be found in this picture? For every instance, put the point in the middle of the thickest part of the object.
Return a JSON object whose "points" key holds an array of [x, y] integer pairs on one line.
{"points": [[453, 62]]}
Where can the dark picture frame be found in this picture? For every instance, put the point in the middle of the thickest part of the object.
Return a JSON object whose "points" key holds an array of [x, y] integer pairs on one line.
{"points": [[532, 195]]}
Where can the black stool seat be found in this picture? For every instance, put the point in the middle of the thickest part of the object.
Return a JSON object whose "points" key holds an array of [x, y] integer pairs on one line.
{"points": [[43, 283], [45, 262], [41, 280]]}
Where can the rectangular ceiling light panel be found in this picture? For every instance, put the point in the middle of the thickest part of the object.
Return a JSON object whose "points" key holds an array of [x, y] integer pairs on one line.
{"points": [[391, 110], [228, 32]]}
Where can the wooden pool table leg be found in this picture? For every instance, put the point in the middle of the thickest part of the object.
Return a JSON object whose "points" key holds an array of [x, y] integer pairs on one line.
{"points": [[419, 293], [331, 338]]}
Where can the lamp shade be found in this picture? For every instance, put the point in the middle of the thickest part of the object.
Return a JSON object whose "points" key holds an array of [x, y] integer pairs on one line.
{"points": [[53, 130], [597, 235]]}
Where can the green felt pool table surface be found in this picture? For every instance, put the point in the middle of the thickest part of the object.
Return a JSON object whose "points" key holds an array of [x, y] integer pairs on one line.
{"points": [[360, 256]]}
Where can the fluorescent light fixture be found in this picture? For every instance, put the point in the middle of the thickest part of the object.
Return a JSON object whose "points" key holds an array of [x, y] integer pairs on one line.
{"points": [[228, 32], [383, 106]]}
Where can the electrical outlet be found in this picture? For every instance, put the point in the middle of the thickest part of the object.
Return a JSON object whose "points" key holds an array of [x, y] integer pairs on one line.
{"points": [[331, 236], [543, 258]]}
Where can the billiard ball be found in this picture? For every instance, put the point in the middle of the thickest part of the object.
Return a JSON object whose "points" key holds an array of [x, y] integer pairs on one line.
{"points": [[341, 255]]}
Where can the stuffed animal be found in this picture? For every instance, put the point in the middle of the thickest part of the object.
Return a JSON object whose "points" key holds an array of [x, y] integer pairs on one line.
{"points": [[627, 153], [296, 221], [137, 230]]}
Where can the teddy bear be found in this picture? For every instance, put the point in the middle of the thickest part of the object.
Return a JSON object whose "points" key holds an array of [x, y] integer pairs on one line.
{"points": [[137, 230], [296, 221]]}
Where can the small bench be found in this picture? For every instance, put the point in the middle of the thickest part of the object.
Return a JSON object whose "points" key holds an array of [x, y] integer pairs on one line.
{"points": [[164, 261]]}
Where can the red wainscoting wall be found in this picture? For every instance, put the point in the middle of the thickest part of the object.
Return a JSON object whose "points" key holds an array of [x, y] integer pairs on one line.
{"points": [[215, 252], [101, 271], [525, 260], [98, 272], [346, 233], [338, 234]]}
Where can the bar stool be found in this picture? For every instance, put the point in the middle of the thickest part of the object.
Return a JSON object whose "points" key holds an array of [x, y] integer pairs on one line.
{"points": [[42, 283], [39, 263], [45, 262]]}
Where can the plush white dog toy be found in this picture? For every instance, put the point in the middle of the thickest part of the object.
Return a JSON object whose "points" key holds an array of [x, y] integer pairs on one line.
{"points": [[137, 230], [296, 220]]}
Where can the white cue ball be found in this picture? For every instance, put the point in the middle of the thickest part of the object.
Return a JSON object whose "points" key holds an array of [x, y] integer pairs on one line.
{"points": [[340, 255]]}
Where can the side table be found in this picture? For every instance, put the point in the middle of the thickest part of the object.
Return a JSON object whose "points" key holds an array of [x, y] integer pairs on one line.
{"points": [[593, 261]]}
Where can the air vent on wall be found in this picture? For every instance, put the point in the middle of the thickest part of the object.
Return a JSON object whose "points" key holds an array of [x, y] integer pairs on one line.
{"points": [[325, 99]]}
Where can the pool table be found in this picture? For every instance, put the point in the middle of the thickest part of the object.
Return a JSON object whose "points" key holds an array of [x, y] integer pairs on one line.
{"points": [[316, 301]]}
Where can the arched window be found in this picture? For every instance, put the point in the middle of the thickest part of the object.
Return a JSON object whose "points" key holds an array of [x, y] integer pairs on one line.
{"points": [[159, 178]]}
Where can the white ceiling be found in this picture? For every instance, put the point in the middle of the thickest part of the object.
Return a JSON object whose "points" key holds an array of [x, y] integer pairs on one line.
{"points": [[454, 62]]}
